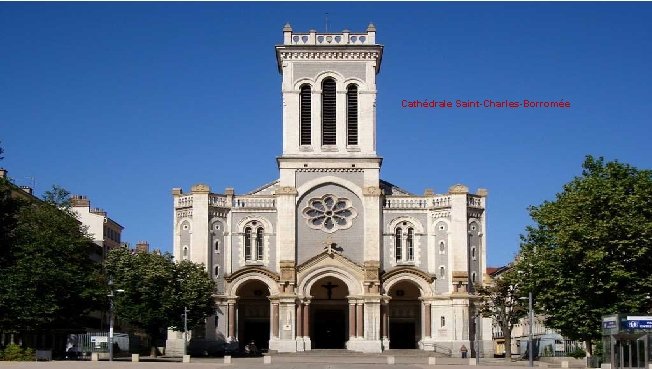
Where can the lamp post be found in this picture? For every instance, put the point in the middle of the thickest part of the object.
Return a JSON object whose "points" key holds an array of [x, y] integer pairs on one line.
{"points": [[110, 296], [477, 338], [531, 321], [185, 330]]}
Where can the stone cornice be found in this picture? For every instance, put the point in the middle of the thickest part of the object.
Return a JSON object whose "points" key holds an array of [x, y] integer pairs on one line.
{"points": [[329, 55], [330, 170]]}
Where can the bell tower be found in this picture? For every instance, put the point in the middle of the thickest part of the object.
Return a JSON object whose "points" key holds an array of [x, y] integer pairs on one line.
{"points": [[329, 94]]}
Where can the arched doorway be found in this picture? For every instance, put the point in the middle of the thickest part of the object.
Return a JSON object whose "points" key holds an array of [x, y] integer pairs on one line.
{"points": [[404, 315], [329, 313], [253, 313]]}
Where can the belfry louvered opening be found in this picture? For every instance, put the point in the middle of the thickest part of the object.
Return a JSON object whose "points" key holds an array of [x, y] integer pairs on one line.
{"points": [[352, 115], [305, 115], [328, 110]]}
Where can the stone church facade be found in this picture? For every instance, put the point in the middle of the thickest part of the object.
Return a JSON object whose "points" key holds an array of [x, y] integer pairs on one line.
{"points": [[330, 255]]}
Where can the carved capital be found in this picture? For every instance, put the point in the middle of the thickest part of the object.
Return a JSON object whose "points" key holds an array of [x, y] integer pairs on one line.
{"points": [[458, 189], [372, 191], [200, 188], [286, 190], [288, 268], [371, 270]]}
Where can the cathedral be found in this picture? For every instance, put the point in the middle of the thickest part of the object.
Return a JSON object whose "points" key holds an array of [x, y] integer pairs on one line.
{"points": [[329, 255]]}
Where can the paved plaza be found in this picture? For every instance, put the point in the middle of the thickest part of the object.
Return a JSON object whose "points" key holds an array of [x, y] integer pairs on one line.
{"points": [[282, 361]]}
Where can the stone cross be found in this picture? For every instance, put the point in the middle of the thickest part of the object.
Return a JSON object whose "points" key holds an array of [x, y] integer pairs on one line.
{"points": [[329, 245]]}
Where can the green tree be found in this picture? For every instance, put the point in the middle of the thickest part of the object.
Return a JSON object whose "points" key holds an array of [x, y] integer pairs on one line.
{"points": [[194, 290], [590, 251], [48, 281], [9, 207], [502, 302], [157, 289], [59, 197]]}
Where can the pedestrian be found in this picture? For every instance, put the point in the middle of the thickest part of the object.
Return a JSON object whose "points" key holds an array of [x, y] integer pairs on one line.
{"points": [[464, 351]]}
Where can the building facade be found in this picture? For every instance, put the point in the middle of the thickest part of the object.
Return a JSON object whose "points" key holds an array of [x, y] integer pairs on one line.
{"points": [[105, 232], [330, 255]]}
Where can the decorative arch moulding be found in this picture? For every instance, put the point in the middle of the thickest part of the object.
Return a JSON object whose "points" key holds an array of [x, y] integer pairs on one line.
{"points": [[252, 271]]}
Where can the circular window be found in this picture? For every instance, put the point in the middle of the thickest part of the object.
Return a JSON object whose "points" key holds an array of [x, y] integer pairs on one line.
{"points": [[329, 213]]}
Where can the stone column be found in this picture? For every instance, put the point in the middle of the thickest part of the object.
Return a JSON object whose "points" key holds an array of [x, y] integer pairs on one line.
{"points": [[274, 320], [426, 320], [306, 320], [352, 320], [299, 325], [360, 323], [384, 321], [231, 311]]}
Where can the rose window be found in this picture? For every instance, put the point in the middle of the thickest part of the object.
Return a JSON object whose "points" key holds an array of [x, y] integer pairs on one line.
{"points": [[329, 213]]}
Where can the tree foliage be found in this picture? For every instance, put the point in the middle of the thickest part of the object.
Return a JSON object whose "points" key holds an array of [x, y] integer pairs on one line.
{"points": [[9, 207], [47, 280], [502, 302], [157, 289], [590, 251]]}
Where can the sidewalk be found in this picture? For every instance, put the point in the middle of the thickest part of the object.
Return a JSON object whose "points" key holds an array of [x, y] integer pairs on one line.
{"points": [[280, 361]]}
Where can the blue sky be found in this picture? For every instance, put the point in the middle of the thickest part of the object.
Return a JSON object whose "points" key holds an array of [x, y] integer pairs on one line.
{"points": [[124, 101]]}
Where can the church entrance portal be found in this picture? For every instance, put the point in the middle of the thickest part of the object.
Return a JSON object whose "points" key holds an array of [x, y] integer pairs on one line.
{"points": [[253, 314], [329, 314], [404, 316]]}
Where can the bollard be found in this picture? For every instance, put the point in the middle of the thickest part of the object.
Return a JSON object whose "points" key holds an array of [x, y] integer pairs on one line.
{"points": [[227, 359], [564, 364], [135, 358], [95, 356], [267, 359], [473, 361], [432, 360], [186, 358], [390, 360]]}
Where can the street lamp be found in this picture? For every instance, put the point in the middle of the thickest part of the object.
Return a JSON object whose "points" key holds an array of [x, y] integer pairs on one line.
{"points": [[530, 342], [185, 330], [110, 296]]}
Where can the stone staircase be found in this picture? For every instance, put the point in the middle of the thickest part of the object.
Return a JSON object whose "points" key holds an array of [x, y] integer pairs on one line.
{"points": [[337, 355]]}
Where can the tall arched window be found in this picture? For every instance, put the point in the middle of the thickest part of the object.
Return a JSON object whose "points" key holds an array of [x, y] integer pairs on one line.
{"points": [[409, 243], [352, 115], [217, 270], [259, 244], [305, 115], [247, 243], [398, 244], [328, 113]]}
